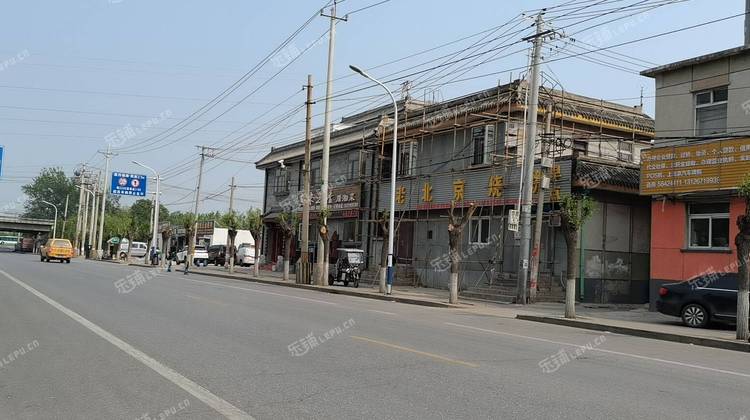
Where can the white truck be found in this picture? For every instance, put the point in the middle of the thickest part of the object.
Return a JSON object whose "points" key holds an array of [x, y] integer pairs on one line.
{"points": [[244, 245]]}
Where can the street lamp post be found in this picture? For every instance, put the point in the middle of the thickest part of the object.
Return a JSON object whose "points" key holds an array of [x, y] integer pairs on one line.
{"points": [[155, 237], [392, 215], [54, 226]]}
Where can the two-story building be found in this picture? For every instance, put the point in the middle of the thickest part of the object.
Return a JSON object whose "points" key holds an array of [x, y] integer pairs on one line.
{"points": [[469, 150], [701, 155]]}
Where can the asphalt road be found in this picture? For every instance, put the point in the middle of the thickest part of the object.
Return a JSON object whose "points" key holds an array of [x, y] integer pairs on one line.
{"points": [[180, 346]]}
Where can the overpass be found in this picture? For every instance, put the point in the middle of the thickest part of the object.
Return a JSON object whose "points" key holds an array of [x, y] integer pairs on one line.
{"points": [[10, 223]]}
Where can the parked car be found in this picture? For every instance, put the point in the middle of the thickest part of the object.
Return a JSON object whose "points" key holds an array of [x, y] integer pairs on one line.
{"points": [[200, 256], [56, 249], [217, 254], [702, 300], [140, 249], [245, 255]]}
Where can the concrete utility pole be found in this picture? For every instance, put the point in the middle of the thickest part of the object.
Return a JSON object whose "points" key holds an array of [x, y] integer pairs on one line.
{"points": [[65, 216], [305, 257], [322, 258], [77, 243], [230, 247], [94, 203], [528, 150], [195, 209], [747, 24], [105, 185], [536, 252], [85, 220]]}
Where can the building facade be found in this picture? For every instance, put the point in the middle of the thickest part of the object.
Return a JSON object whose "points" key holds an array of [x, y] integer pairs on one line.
{"points": [[469, 151], [700, 157]]}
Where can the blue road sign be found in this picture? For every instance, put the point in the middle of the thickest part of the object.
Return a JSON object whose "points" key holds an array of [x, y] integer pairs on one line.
{"points": [[1, 160], [129, 184]]}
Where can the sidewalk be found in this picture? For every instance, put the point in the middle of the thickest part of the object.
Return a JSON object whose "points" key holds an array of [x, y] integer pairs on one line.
{"points": [[633, 320]]}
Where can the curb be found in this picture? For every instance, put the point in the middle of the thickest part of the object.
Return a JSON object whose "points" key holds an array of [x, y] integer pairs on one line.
{"points": [[391, 298], [656, 335]]}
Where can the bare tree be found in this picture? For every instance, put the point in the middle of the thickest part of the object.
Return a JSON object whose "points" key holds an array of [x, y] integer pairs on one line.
{"points": [[455, 228], [742, 240], [289, 223], [575, 210], [254, 223]]}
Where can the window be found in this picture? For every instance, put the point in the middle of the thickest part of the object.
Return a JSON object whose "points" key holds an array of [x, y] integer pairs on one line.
{"points": [[354, 169], [625, 154], [429, 234], [484, 141], [480, 231], [315, 178], [349, 231], [407, 158], [711, 112], [708, 226], [281, 184]]}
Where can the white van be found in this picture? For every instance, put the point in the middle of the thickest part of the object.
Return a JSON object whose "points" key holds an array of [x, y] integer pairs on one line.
{"points": [[140, 249]]}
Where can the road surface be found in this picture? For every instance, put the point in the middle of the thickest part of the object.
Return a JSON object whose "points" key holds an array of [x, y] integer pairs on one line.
{"points": [[73, 345]]}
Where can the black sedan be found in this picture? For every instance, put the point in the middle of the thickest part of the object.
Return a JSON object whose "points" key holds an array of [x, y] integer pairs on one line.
{"points": [[702, 300]]}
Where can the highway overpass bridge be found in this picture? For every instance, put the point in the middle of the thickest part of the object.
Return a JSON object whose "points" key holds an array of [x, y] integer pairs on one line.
{"points": [[24, 225]]}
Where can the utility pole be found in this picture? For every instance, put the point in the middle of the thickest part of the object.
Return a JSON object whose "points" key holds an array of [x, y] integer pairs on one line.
{"points": [[322, 258], [65, 216], [536, 252], [84, 219], [195, 209], [305, 257], [230, 248], [528, 150], [105, 185], [94, 202], [77, 243]]}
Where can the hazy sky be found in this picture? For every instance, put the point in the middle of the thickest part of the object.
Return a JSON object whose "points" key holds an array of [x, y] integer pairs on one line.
{"points": [[73, 73]]}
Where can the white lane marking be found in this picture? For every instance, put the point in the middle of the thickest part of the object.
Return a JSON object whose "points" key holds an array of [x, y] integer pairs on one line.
{"points": [[635, 356], [262, 291], [382, 312], [222, 407]]}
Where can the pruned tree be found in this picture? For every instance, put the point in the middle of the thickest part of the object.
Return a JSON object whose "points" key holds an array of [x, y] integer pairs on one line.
{"points": [[742, 241], [322, 278], [456, 226], [233, 222], [289, 223], [382, 271], [254, 223], [187, 222], [575, 209]]}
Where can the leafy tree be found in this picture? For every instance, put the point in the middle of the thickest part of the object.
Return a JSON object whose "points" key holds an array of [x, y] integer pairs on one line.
{"points": [[233, 222], [50, 185], [254, 223], [742, 240], [575, 209], [289, 223]]}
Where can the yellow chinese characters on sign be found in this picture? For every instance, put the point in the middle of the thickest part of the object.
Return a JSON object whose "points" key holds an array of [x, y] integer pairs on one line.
{"points": [[716, 165], [427, 192], [401, 195], [495, 188], [459, 187]]}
